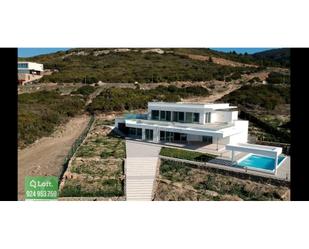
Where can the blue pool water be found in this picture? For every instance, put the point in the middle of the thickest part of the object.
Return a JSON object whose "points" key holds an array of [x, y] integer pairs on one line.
{"points": [[260, 162]]}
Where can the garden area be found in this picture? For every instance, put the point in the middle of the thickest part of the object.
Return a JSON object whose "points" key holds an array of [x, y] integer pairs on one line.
{"points": [[182, 182], [97, 170]]}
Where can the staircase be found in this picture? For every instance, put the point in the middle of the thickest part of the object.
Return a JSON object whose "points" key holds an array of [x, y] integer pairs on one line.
{"points": [[140, 177]]}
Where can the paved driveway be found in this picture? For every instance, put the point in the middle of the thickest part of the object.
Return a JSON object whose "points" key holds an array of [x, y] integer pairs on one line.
{"points": [[142, 149], [140, 169]]}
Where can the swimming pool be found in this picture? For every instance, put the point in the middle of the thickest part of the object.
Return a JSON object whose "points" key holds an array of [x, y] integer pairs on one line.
{"points": [[260, 162]]}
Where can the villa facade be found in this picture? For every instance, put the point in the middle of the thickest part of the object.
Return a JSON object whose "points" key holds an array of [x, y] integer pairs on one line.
{"points": [[214, 125], [186, 123], [29, 71]]}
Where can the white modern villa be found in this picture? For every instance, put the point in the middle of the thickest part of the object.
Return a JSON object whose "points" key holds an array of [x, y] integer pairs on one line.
{"points": [[186, 122], [213, 124], [29, 71]]}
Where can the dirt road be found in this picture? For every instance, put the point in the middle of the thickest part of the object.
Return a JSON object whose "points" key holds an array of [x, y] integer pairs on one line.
{"points": [[46, 156], [214, 95]]}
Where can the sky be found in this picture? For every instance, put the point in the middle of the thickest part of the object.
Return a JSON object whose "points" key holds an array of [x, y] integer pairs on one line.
{"points": [[28, 52], [242, 50]]}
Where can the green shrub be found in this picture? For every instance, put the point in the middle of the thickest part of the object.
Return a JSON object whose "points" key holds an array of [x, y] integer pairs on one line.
{"points": [[120, 99], [132, 66], [278, 78], [84, 90], [266, 96], [40, 112]]}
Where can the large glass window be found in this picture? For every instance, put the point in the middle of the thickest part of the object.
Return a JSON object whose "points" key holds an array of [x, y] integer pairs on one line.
{"points": [[183, 137], [135, 132], [168, 116], [23, 71], [175, 116], [172, 136], [169, 136], [196, 117], [149, 134], [162, 115], [207, 139], [188, 117], [162, 135], [22, 65], [155, 114], [181, 116], [132, 131]]}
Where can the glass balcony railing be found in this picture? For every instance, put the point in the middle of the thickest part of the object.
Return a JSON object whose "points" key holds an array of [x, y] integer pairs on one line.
{"points": [[208, 126], [135, 116]]}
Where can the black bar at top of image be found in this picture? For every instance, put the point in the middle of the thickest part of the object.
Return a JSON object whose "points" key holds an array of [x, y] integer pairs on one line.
{"points": [[8, 182], [299, 124]]}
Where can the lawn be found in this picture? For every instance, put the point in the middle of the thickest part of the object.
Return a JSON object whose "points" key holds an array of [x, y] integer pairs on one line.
{"points": [[98, 168], [182, 182]]}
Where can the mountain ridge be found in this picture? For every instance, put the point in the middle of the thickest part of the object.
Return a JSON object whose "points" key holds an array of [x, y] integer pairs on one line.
{"points": [[120, 65]]}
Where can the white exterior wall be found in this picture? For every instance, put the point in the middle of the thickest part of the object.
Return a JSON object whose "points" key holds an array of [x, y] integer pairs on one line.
{"points": [[238, 138], [202, 118], [221, 116], [234, 115], [217, 117], [156, 135], [241, 137], [227, 116], [33, 66]]}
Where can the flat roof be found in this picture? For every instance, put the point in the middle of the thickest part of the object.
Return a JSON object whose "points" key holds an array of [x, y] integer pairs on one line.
{"points": [[208, 126], [29, 62], [271, 151], [192, 105]]}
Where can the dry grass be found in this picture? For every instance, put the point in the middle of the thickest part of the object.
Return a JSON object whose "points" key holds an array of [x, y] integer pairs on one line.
{"points": [[180, 182], [97, 169]]}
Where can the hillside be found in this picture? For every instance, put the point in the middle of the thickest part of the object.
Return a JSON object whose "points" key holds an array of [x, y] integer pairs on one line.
{"points": [[41, 112], [267, 107], [91, 65], [280, 56]]}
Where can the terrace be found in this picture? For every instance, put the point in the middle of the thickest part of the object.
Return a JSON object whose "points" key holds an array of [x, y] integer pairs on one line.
{"points": [[206, 127]]}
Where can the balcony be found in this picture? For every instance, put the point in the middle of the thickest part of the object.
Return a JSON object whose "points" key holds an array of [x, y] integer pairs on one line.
{"points": [[206, 127]]}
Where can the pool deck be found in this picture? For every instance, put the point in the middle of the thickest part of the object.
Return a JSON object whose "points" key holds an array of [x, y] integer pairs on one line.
{"points": [[223, 161], [283, 172]]}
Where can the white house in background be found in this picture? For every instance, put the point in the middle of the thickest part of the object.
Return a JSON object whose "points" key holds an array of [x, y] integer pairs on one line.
{"points": [[186, 122], [29, 71]]}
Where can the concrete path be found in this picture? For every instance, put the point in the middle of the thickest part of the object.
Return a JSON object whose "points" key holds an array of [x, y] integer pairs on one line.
{"points": [[140, 169]]}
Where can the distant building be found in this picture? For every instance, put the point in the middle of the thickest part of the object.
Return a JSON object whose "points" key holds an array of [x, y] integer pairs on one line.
{"points": [[29, 71]]}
